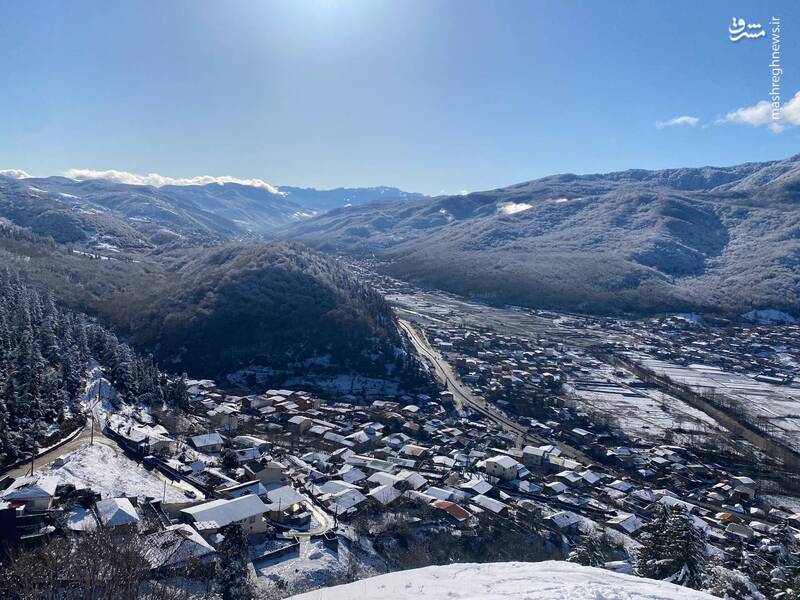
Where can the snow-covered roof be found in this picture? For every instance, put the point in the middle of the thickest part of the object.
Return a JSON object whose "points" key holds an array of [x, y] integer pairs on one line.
{"points": [[506, 462], [627, 521], [382, 478], [240, 489], [284, 496], [115, 512], [564, 519], [385, 494], [477, 486], [335, 486], [352, 475], [489, 503], [175, 545], [223, 512], [206, 439], [81, 519], [345, 500], [439, 493], [413, 479], [28, 488]]}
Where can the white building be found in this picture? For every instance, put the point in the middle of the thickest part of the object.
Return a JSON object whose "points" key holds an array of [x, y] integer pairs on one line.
{"points": [[248, 511], [502, 467]]}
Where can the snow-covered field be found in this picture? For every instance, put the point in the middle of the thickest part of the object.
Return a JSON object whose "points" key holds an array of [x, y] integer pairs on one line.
{"points": [[777, 405], [550, 580], [111, 474], [643, 411]]}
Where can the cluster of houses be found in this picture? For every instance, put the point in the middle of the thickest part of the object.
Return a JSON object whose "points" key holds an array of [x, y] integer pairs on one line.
{"points": [[348, 457], [287, 461], [501, 368], [32, 508], [766, 353]]}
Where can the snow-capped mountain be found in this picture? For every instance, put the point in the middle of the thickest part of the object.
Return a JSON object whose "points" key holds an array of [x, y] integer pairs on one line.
{"points": [[90, 207]]}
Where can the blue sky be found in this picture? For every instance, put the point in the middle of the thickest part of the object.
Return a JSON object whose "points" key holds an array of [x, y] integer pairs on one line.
{"points": [[428, 95]]}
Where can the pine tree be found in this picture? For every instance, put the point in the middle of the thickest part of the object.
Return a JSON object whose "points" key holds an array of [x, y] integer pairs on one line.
{"points": [[686, 547], [232, 571], [730, 584], [672, 549], [650, 557], [44, 354], [588, 551]]}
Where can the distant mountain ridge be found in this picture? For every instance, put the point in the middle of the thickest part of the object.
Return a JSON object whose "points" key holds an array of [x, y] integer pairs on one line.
{"points": [[723, 239], [170, 213]]}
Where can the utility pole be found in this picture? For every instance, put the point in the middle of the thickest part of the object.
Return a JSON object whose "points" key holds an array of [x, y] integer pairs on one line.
{"points": [[33, 456]]}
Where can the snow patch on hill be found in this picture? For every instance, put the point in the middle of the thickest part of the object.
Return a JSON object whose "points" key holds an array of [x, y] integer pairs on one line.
{"points": [[769, 316], [550, 580], [511, 208]]}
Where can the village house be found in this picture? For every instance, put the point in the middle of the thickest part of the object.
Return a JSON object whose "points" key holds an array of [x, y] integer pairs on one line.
{"points": [[564, 521], [502, 467], [208, 517], [283, 502], [34, 494], [207, 442], [299, 424], [224, 416], [171, 550]]}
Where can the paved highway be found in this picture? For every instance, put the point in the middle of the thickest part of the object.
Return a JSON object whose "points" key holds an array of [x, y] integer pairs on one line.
{"points": [[463, 396]]}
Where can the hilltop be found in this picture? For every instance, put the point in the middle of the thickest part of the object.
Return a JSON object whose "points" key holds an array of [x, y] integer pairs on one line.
{"points": [[549, 580]]}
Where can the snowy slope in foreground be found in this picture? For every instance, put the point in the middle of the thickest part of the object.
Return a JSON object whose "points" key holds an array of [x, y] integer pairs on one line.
{"points": [[548, 580]]}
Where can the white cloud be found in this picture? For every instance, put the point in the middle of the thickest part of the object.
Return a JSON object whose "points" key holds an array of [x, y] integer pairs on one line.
{"points": [[790, 112], [760, 114], [15, 173], [157, 180], [684, 120]]}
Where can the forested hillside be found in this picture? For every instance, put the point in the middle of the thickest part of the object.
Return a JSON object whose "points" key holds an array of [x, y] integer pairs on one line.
{"points": [[44, 354], [210, 311], [277, 305], [711, 239]]}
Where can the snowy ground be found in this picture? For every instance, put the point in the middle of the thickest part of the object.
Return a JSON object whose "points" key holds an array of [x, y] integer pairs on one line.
{"points": [[777, 405], [112, 474], [548, 580], [314, 566], [645, 412], [98, 394]]}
